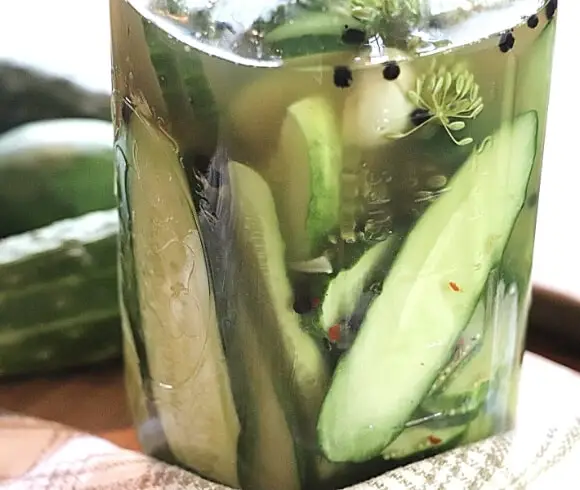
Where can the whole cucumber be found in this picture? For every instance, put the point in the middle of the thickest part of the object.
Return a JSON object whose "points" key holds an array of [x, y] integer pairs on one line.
{"points": [[52, 170]]}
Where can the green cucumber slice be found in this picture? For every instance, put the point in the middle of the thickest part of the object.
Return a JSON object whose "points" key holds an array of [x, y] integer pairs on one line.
{"points": [[533, 82], [266, 453], [412, 327], [483, 374], [459, 399], [306, 176], [519, 254], [136, 392], [190, 384], [534, 77], [344, 291], [295, 359], [313, 24], [191, 106], [310, 33], [471, 340]]}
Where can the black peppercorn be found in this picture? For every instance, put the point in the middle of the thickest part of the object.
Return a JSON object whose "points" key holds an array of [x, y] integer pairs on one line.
{"points": [[506, 42], [551, 9], [391, 71], [353, 36], [342, 76], [302, 303], [533, 21]]}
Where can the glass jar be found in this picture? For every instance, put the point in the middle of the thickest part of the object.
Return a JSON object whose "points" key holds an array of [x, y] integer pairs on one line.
{"points": [[328, 213]]}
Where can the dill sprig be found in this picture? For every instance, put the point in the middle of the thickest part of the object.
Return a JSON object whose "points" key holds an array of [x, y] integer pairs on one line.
{"points": [[392, 20], [449, 97], [374, 11]]}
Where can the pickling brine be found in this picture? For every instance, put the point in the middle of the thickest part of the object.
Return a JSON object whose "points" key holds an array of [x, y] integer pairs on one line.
{"points": [[328, 212]]}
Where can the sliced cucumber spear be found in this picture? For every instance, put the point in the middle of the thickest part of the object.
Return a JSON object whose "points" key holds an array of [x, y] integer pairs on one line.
{"points": [[306, 175], [186, 360], [344, 291], [533, 82], [427, 298], [313, 24], [471, 340], [192, 112], [313, 32], [468, 387], [266, 453], [299, 368]]}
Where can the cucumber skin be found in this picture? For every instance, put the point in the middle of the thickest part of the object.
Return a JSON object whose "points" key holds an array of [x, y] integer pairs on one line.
{"points": [[534, 81], [192, 112], [89, 341], [265, 440], [309, 149], [460, 403], [299, 368], [311, 33], [58, 168], [325, 160], [55, 190], [415, 440], [59, 300], [171, 326], [57, 309], [369, 433], [344, 291], [67, 251]]}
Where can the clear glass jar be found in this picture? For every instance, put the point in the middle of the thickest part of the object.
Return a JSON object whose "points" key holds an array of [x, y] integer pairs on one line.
{"points": [[328, 213]]}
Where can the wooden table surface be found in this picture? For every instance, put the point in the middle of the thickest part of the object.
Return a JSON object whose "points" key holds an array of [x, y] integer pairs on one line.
{"points": [[93, 399], [90, 399]]}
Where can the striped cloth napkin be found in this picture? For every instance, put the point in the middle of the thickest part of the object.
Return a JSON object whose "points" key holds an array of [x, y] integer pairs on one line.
{"points": [[541, 453]]}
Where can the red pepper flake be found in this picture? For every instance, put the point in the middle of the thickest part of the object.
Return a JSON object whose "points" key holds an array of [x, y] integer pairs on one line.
{"points": [[454, 286], [434, 439], [315, 302], [334, 333]]}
